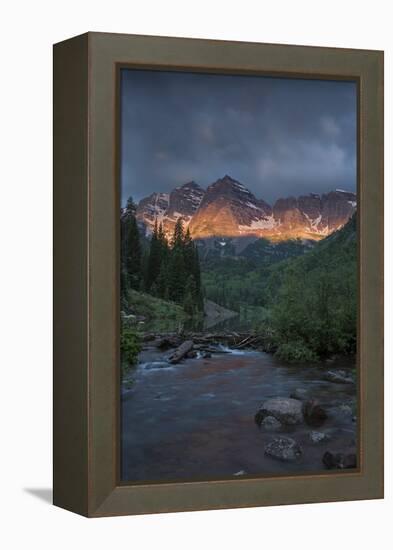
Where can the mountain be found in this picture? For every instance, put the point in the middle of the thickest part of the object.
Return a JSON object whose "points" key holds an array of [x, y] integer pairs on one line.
{"points": [[152, 208], [227, 210], [182, 202], [313, 216]]}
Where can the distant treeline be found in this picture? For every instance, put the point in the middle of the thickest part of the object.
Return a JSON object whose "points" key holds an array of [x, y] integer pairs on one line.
{"points": [[165, 268]]}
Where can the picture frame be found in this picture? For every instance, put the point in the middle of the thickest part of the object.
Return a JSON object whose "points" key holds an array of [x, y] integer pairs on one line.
{"points": [[86, 272]]}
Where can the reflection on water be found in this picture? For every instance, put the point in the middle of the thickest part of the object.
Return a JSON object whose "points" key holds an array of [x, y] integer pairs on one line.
{"points": [[195, 420]]}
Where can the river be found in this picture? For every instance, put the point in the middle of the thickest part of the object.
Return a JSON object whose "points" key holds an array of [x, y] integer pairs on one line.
{"points": [[195, 420]]}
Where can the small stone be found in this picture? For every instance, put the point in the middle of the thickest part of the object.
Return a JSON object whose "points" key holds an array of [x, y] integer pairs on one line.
{"points": [[318, 437], [284, 448]]}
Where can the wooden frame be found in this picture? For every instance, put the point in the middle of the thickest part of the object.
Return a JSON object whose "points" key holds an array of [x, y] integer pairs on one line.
{"points": [[86, 305]]}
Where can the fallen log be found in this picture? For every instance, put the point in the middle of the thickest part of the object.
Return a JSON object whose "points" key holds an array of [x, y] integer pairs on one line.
{"points": [[244, 342], [181, 351]]}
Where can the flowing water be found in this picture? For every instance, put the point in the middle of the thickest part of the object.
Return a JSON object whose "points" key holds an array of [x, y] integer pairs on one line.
{"points": [[195, 420]]}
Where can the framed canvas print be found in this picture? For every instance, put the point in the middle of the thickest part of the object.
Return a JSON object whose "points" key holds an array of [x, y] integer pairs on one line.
{"points": [[218, 274]]}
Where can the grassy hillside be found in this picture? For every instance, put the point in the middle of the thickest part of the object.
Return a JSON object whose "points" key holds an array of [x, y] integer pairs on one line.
{"points": [[157, 314]]}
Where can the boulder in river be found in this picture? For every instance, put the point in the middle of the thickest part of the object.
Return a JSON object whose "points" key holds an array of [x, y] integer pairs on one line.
{"points": [[284, 448], [314, 414], [284, 409], [339, 377], [339, 461], [271, 423]]}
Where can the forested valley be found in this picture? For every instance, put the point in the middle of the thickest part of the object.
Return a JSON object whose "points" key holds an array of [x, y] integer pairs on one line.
{"points": [[302, 298]]}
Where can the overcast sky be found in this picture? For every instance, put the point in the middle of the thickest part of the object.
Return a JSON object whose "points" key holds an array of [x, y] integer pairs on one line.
{"points": [[278, 136]]}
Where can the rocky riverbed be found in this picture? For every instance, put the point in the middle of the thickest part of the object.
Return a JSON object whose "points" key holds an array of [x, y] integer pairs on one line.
{"points": [[195, 408]]}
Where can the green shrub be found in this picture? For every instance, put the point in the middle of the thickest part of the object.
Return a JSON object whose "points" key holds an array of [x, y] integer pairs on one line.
{"points": [[295, 352], [129, 347]]}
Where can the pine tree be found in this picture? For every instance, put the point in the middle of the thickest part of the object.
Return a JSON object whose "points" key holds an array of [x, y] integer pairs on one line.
{"points": [[191, 260], [130, 250], [178, 235], [173, 271], [153, 264], [163, 245], [198, 282], [176, 275], [162, 281], [190, 296]]}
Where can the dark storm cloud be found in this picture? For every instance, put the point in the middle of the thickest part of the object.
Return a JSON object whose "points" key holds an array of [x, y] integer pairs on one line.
{"points": [[278, 136]]}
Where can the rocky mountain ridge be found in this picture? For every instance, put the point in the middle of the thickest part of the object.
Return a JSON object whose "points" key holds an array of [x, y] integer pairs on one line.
{"points": [[227, 209]]}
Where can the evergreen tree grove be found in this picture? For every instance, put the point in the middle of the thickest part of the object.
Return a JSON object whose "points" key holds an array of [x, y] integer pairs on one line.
{"points": [[173, 271]]}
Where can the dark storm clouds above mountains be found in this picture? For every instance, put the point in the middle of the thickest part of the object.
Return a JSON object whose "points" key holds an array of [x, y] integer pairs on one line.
{"points": [[278, 136]]}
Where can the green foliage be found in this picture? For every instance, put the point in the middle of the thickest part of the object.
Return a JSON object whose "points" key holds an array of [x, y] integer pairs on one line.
{"points": [[306, 302], [158, 314], [235, 282], [313, 312], [295, 352], [170, 268], [129, 347], [239, 281], [190, 303], [157, 256]]}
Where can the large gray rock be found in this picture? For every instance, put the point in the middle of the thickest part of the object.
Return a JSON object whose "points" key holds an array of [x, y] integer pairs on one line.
{"points": [[339, 377], [284, 448], [284, 409]]}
